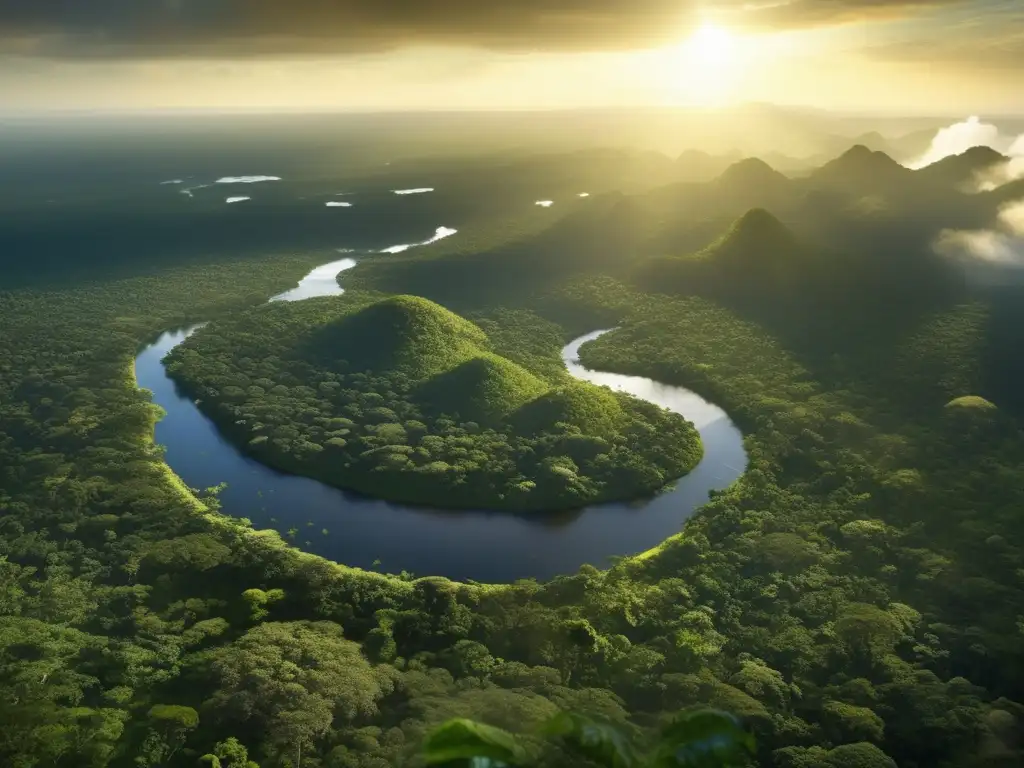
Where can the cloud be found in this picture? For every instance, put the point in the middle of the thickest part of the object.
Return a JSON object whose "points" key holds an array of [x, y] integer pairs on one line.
{"points": [[958, 138], [1015, 168], [1001, 246], [804, 13], [240, 28], [1012, 217], [972, 132], [1004, 173]]}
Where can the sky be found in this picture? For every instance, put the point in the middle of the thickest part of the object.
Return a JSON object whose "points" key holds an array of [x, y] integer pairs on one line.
{"points": [[890, 56]]}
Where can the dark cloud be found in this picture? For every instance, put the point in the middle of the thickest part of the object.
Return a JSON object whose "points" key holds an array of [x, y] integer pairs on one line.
{"points": [[805, 13], [231, 28]]}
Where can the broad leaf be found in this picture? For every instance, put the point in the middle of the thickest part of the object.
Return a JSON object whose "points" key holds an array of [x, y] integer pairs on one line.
{"points": [[705, 738], [601, 742], [461, 739]]}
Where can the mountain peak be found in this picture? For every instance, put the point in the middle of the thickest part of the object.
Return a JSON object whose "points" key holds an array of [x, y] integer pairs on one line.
{"points": [[872, 140], [977, 157], [859, 166], [759, 219], [406, 333], [859, 153], [757, 230], [956, 169], [751, 170], [983, 155]]}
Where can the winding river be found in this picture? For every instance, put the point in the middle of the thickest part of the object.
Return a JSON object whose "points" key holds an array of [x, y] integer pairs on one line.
{"points": [[484, 546]]}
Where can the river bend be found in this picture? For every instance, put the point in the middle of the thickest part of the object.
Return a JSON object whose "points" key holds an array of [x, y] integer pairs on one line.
{"points": [[483, 546]]}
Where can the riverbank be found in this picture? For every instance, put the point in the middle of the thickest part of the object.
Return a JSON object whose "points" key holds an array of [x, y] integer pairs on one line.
{"points": [[461, 545]]}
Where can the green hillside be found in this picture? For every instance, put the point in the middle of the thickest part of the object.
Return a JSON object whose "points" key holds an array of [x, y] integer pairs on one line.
{"points": [[402, 334], [402, 399], [573, 403], [756, 239], [486, 389], [757, 256]]}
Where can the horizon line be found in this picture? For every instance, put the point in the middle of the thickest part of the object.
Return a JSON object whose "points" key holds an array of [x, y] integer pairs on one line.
{"points": [[340, 111]]}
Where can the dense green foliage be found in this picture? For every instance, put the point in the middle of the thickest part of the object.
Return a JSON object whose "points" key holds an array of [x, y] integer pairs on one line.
{"points": [[856, 597], [758, 258], [402, 399], [699, 738]]}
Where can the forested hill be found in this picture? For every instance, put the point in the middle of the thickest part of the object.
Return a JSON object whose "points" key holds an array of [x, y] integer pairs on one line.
{"points": [[401, 399], [855, 597], [758, 260]]}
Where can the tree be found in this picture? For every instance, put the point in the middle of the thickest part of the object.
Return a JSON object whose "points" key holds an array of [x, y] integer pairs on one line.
{"points": [[573, 642], [762, 682], [258, 600], [469, 659], [848, 722], [862, 755], [867, 632], [169, 727], [44, 684], [194, 552], [233, 754], [294, 680]]}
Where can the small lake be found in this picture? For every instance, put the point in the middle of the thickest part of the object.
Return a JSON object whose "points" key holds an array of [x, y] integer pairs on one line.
{"points": [[483, 546]]}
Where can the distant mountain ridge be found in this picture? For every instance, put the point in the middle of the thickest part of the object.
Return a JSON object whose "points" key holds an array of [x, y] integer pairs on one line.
{"points": [[962, 168], [860, 168], [861, 217], [751, 172]]}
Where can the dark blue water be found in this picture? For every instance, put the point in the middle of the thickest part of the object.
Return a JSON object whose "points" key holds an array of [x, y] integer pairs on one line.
{"points": [[484, 546]]}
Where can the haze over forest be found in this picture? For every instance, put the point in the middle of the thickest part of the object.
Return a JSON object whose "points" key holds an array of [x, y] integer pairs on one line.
{"points": [[511, 385]]}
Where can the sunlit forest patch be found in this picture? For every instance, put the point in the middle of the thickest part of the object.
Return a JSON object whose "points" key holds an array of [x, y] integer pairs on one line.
{"points": [[403, 399]]}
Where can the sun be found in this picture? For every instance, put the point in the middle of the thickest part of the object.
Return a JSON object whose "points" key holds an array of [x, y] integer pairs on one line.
{"points": [[703, 69], [710, 45]]}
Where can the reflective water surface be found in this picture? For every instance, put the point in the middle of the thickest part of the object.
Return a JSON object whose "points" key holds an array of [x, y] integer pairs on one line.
{"points": [[484, 546]]}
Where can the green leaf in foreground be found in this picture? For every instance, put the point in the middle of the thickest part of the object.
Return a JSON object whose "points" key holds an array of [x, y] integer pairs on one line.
{"points": [[705, 738], [600, 742], [461, 739]]}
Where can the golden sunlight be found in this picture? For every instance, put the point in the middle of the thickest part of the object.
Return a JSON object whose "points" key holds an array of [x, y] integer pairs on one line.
{"points": [[703, 69], [711, 45]]}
